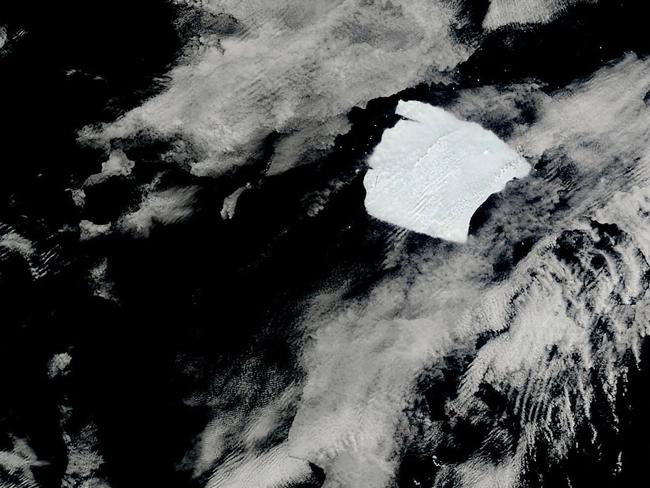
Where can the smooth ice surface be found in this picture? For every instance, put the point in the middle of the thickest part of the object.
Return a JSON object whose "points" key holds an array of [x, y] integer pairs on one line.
{"points": [[506, 12], [431, 171]]}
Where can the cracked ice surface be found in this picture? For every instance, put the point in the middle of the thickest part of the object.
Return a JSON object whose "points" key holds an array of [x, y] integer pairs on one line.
{"points": [[432, 171]]}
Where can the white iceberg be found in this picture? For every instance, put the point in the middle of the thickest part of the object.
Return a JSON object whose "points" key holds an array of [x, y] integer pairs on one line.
{"points": [[431, 171]]}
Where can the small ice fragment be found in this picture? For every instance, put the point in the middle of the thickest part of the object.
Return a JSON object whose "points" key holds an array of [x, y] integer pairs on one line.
{"points": [[230, 202]]}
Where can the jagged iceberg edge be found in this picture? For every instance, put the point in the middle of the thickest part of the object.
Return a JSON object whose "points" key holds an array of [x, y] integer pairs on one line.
{"points": [[432, 171]]}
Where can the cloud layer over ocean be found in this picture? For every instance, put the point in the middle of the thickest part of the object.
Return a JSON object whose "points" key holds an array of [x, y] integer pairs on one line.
{"points": [[205, 300], [287, 73]]}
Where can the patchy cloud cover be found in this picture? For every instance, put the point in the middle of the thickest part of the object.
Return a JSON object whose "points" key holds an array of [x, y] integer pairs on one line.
{"points": [[292, 71]]}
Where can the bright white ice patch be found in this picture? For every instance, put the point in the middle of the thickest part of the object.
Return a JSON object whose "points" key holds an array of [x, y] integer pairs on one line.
{"points": [[432, 171]]}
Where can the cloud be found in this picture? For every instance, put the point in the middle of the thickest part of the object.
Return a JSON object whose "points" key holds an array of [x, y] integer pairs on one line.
{"points": [[598, 120], [561, 328], [291, 70], [16, 466], [118, 164], [3, 36], [161, 207]]}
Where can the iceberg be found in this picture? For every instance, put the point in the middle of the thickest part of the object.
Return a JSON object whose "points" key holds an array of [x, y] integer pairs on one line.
{"points": [[431, 171]]}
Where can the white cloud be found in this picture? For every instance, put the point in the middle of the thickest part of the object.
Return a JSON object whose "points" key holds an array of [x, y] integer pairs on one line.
{"points": [[117, 164], [294, 68], [544, 337], [160, 207]]}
